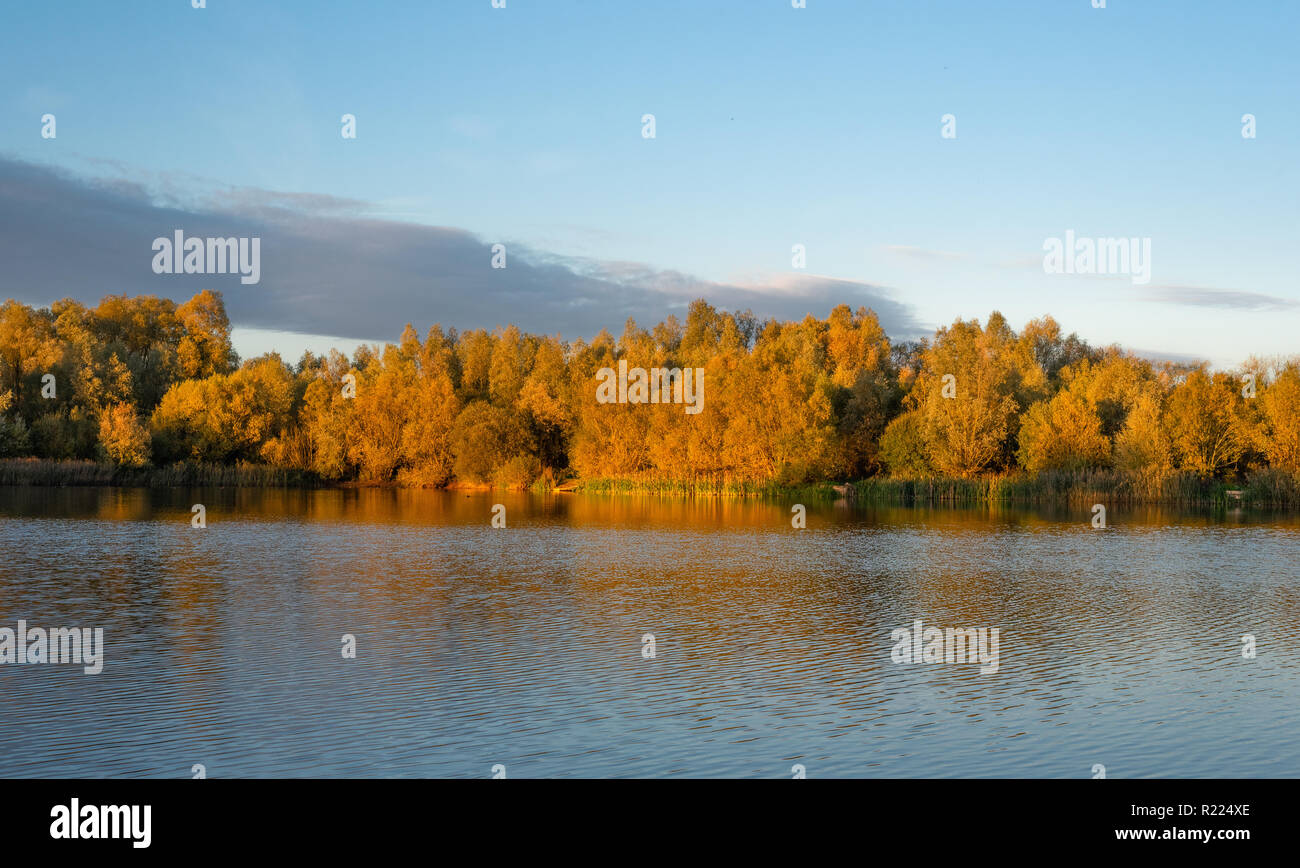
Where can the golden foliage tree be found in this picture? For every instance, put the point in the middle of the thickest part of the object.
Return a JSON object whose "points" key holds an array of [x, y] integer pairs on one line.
{"points": [[785, 402], [1207, 423], [1280, 406], [967, 390], [122, 436]]}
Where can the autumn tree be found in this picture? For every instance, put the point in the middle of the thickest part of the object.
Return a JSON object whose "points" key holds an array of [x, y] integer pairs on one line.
{"points": [[902, 446], [1143, 451], [325, 416], [28, 350], [226, 417], [786, 402], [1205, 419], [968, 390], [484, 440], [204, 347], [867, 394], [1280, 406], [123, 438]]}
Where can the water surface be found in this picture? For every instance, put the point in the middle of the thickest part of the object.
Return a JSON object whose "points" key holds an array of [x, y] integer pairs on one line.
{"points": [[523, 646]]}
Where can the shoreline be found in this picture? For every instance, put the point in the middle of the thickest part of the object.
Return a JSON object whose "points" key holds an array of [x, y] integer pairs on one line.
{"points": [[1264, 489]]}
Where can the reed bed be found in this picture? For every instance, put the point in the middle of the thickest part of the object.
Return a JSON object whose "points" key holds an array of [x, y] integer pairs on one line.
{"points": [[37, 471], [1268, 487], [707, 488]]}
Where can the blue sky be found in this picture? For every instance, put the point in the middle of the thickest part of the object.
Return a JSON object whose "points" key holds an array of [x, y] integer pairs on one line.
{"points": [[775, 126]]}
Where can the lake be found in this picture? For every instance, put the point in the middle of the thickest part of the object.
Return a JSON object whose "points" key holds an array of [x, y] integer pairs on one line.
{"points": [[524, 647]]}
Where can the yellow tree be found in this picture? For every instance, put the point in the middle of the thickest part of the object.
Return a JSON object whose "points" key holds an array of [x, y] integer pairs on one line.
{"points": [[204, 347], [860, 354], [28, 349], [226, 416], [122, 437], [1063, 433], [1280, 405], [1142, 448], [383, 389], [545, 402], [326, 420], [967, 390], [1205, 418], [780, 405]]}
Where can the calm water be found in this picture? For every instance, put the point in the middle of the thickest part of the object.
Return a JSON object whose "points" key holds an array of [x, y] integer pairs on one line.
{"points": [[523, 646]]}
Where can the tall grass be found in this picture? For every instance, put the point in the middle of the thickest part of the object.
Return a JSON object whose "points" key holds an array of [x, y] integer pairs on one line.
{"points": [[1267, 487], [707, 488], [1273, 486], [37, 471]]}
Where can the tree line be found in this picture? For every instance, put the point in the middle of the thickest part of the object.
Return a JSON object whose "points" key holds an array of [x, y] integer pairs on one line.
{"points": [[142, 380]]}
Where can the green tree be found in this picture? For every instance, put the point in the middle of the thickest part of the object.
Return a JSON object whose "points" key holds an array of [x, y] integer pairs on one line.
{"points": [[902, 446]]}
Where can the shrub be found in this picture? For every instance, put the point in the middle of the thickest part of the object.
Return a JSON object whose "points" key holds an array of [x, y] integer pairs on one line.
{"points": [[902, 446], [122, 437]]}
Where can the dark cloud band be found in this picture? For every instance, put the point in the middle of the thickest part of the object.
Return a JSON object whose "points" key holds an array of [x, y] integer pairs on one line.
{"points": [[328, 269]]}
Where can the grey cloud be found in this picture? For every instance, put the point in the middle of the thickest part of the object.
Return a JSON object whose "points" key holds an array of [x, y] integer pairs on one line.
{"points": [[328, 269], [1225, 299]]}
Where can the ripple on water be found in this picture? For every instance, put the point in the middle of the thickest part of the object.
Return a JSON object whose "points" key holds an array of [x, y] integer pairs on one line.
{"points": [[478, 646]]}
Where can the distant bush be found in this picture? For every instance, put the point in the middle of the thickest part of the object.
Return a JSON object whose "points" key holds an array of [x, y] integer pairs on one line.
{"points": [[519, 472], [902, 446]]}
